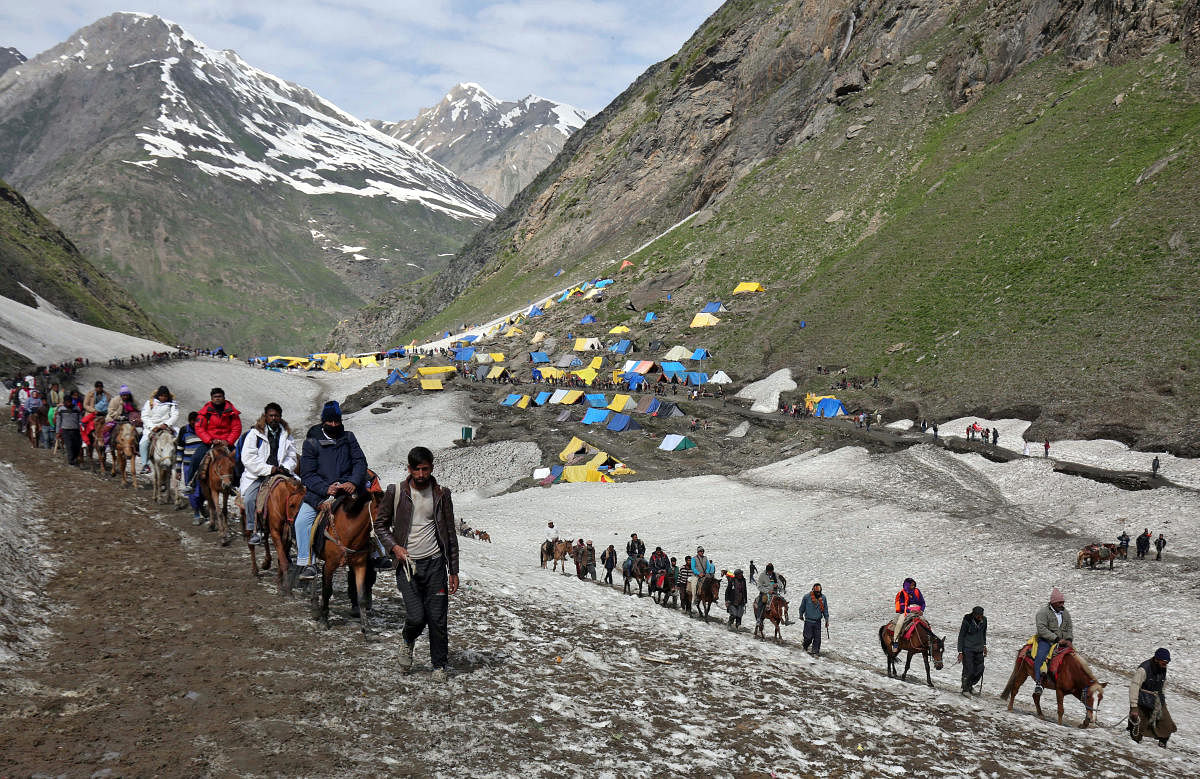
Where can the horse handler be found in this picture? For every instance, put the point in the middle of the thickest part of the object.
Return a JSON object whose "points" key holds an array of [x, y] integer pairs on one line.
{"points": [[1147, 703], [416, 523]]}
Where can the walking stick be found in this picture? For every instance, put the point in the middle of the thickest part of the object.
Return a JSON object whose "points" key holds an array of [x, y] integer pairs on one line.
{"points": [[981, 681]]}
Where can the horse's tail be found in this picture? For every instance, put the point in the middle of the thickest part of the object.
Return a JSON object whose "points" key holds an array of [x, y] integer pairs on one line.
{"points": [[1011, 685], [883, 643]]}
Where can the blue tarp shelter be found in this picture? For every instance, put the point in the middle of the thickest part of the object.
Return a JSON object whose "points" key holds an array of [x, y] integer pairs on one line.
{"points": [[650, 316], [469, 339], [539, 357], [463, 355], [701, 354], [696, 378], [395, 376], [622, 347], [715, 307], [511, 399], [587, 320], [674, 370], [595, 415], [535, 311], [397, 352], [654, 406], [829, 407], [634, 380], [596, 399], [604, 283], [541, 398], [622, 422]]}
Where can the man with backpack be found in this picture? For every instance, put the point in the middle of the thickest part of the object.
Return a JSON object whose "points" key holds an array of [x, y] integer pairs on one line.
{"points": [[264, 450]]}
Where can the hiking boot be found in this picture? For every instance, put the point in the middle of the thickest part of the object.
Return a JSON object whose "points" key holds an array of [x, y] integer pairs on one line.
{"points": [[406, 657], [438, 675], [307, 573], [895, 647], [145, 470], [256, 538], [966, 692], [197, 519], [1037, 689]]}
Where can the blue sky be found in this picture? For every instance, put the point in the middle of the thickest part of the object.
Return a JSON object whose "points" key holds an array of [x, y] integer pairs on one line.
{"points": [[384, 59]]}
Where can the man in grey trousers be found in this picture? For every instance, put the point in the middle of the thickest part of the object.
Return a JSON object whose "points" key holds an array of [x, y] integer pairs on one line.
{"points": [[416, 524]]}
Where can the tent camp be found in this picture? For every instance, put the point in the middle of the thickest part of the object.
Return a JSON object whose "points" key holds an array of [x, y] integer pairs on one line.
{"points": [[633, 380], [677, 353], [667, 410], [674, 370], [576, 446], [587, 345], [715, 307], [523, 402], [643, 405], [676, 443], [543, 373], [558, 396], [695, 378], [587, 375], [596, 399], [703, 320], [619, 329], [431, 384], [463, 355], [748, 286], [720, 377], [572, 397], [595, 415], [622, 422], [541, 398], [650, 317], [829, 407], [587, 320], [621, 402]]}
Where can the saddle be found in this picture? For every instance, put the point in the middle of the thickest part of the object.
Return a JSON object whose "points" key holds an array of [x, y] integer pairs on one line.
{"points": [[264, 495], [1053, 661], [912, 627]]}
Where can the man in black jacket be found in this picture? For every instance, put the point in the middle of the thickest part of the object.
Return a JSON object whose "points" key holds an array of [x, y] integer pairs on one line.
{"points": [[416, 524], [331, 464], [972, 648]]}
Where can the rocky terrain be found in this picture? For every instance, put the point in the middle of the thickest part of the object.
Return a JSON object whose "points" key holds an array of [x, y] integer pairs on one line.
{"points": [[207, 186], [10, 57], [498, 146], [978, 201]]}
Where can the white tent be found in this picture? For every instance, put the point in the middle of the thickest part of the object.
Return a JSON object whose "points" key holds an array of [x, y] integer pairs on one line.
{"points": [[558, 396], [720, 377], [678, 353]]}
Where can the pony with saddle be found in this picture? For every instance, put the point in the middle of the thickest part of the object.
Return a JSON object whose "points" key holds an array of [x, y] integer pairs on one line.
{"points": [[124, 439], [639, 571], [1092, 554], [280, 500], [775, 611], [34, 422], [560, 553], [662, 586], [218, 482], [707, 590], [917, 639], [343, 536], [546, 552], [1065, 673]]}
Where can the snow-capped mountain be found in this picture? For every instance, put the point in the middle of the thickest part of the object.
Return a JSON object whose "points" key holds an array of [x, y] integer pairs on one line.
{"points": [[498, 146], [167, 159], [10, 57]]}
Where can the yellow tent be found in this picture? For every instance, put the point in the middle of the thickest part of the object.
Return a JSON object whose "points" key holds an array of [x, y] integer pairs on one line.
{"points": [[703, 320], [551, 373], [587, 374], [514, 331], [434, 370], [573, 396], [622, 470], [587, 344], [496, 372], [578, 474], [576, 446], [597, 363], [811, 400], [523, 402], [331, 366], [620, 402], [619, 329], [348, 362], [538, 337], [368, 362], [496, 356], [326, 356], [748, 286], [431, 384]]}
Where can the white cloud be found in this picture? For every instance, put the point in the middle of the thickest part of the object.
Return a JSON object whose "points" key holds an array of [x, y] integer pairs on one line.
{"points": [[387, 59]]}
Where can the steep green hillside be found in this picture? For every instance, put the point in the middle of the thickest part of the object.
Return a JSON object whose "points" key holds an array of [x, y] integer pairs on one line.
{"points": [[35, 253]]}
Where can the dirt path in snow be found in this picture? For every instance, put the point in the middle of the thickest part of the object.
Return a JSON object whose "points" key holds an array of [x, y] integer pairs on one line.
{"points": [[167, 658]]}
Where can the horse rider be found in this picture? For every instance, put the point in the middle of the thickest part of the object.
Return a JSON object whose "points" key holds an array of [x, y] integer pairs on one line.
{"points": [[97, 400], [267, 450], [219, 420], [1147, 704], [659, 560], [1054, 628], [124, 407], [768, 586], [635, 548], [908, 597], [702, 568], [159, 413], [1123, 542], [331, 463], [185, 446], [735, 598]]}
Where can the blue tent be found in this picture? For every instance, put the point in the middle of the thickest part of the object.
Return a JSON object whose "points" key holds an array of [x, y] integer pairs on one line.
{"points": [[603, 284], [829, 407], [621, 347], [511, 399], [650, 316], [654, 404], [596, 399], [541, 398], [674, 370], [701, 354], [714, 308], [633, 379], [587, 320], [564, 296], [696, 378], [446, 334], [535, 311], [469, 338], [558, 273], [395, 376], [397, 352], [622, 422], [539, 357], [463, 355], [595, 415]]}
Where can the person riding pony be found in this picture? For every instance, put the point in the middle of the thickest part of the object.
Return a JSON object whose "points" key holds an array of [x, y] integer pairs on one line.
{"points": [[124, 408], [908, 598], [160, 413], [219, 420], [331, 464]]}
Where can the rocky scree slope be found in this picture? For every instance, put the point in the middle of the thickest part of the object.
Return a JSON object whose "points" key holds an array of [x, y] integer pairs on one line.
{"points": [[497, 146], [35, 255], [983, 202], [207, 186]]}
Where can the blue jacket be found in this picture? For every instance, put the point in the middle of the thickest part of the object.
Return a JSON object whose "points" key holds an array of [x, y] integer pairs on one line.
{"points": [[327, 460], [810, 610]]}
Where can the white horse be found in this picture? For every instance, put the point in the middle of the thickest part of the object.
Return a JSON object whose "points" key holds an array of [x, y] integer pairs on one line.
{"points": [[162, 462]]}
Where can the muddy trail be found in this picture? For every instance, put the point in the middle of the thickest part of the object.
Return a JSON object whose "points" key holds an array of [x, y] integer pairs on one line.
{"points": [[166, 657]]}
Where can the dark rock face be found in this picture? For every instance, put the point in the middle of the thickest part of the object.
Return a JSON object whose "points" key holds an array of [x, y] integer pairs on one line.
{"points": [[9, 58]]}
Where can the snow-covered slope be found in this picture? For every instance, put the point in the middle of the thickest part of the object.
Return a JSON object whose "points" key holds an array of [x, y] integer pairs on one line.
{"points": [[46, 336], [496, 145]]}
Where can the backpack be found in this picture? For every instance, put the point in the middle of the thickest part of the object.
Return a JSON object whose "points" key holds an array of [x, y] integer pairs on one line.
{"points": [[238, 467]]}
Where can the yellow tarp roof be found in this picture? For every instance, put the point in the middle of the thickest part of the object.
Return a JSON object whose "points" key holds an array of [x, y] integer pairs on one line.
{"points": [[348, 362], [496, 356], [523, 402], [431, 384], [434, 370], [331, 366], [587, 374], [327, 356], [573, 396], [573, 448], [578, 474], [703, 320], [367, 362], [597, 363], [496, 372], [550, 373], [620, 402], [748, 286], [619, 329]]}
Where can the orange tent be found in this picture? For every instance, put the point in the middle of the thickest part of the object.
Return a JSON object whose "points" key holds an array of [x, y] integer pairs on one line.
{"points": [[626, 264]]}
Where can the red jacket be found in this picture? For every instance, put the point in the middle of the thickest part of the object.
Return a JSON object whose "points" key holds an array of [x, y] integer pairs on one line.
{"points": [[224, 425]]}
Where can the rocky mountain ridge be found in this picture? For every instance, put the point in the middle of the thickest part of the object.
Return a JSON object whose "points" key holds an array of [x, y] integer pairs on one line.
{"points": [[9, 58], [208, 186], [875, 165], [498, 146]]}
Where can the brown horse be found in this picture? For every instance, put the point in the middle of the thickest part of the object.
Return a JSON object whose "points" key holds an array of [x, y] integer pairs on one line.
{"points": [[774, 612], [162, 461], [546, 552], [34, 423], [219, 482], [93, 447], [1096, 553], [125, 449], [562, 550], [638, 571], [482, 535], [1073, 676], [707, 590], [922, 641], [347, 541], [283, 500]]}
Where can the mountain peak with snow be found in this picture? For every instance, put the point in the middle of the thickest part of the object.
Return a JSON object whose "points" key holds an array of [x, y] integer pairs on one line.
{"points": [[10, 58], [497, 145]]}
